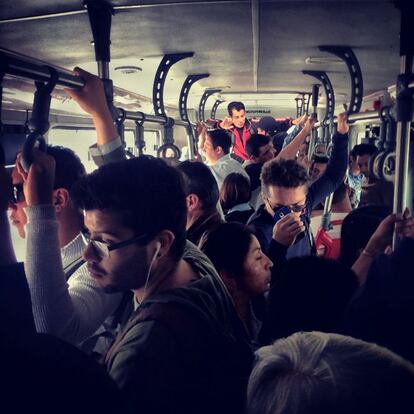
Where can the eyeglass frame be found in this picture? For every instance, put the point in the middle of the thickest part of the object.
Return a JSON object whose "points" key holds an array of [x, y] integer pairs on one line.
{"points": [[293, 208], [103, 249]]}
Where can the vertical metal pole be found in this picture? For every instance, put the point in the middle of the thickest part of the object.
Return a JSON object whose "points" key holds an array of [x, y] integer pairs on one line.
{"points": [[103, 69], [403, 177]]}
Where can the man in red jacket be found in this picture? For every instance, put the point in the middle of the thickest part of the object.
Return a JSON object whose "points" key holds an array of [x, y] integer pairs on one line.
{"points": [[240, 127]]}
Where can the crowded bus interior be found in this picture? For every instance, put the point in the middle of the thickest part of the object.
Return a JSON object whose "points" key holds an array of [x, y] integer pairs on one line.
{"points": [[207, 206]]}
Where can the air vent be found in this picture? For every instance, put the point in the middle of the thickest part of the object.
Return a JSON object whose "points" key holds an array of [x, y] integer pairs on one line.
{"points": [[128, 70]]}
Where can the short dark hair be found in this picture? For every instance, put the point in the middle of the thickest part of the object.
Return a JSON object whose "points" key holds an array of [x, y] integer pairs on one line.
{"points": [[220, 138], [363, 149], [238, 106], [283, 173], [199, 180], [357, 228], [227, 246], [69, 167], [147, 194], [235, 190], [254, 143]]}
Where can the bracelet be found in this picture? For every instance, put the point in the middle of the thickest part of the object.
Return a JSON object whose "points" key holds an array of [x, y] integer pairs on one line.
{"points": [[368, 254]]}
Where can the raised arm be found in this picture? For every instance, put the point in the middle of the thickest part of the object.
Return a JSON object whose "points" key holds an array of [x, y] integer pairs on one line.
{"points": [[289, 151], [337, 165], [71, 310], [91, 98]]}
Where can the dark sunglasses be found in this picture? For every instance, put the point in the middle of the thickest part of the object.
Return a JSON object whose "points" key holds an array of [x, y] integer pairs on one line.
{"points": [[296, 208]]}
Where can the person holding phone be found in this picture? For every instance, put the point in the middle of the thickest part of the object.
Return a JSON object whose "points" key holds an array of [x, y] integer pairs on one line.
{"points": [[282, 223]]}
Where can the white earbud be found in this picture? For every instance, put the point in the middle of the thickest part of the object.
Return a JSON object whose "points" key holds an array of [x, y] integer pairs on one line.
{"points": [[157, 250]]}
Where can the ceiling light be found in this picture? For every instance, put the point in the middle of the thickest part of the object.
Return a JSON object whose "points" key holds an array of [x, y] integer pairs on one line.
{"points": [[320, 60], [128, 70]]}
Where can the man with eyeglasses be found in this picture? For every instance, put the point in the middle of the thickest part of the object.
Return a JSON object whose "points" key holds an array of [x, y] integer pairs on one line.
{"points": [[282, 223]]}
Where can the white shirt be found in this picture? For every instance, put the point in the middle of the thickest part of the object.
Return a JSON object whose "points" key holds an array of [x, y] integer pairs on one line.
{"points": [[225, 166]]}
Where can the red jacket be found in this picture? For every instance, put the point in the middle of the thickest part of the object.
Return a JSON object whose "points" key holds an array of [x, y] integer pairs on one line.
{"points": [[239, 142]]}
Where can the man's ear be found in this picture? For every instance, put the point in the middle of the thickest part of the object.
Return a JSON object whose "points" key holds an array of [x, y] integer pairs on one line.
{"points": [[61, 199], [164, 242], [193, 202], [219, 150]]}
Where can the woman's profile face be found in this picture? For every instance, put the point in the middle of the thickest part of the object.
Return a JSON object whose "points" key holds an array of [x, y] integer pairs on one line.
{"points": [[257, 275]]}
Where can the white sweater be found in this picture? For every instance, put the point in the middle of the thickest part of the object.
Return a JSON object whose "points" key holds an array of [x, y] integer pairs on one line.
{"points": [[72, 310]]}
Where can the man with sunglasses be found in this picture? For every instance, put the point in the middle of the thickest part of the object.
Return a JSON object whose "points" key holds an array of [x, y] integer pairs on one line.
{"points": [[282, 223]]}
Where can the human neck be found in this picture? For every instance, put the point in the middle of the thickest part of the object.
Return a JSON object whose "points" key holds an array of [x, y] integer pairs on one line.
{"points": [[70, 224], [170, 275], [192, 217]]}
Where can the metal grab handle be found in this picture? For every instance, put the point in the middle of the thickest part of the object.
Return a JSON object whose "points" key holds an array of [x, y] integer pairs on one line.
{"points": [[161, 152], [31, 141]]}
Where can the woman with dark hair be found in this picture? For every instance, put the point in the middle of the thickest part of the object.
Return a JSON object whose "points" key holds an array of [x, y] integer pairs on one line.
{"points": [[243, 267], [357, 228], [235, 194]]}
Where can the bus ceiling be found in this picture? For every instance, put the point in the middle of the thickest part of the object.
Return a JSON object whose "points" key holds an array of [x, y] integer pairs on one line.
{"points": [[254, 51]]}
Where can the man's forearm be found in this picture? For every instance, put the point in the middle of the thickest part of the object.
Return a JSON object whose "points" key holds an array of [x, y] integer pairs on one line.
{"points": [[289, 152], [105, 128]]}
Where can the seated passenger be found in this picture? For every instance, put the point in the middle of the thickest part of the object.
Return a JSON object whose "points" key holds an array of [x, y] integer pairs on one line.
{"points": [[357, 228], [321, 373], [373, 191], [285, 184], [308, 294], [245, 270], [217, 151], [202, 196], [182, 345], [66, 301], [234, 198]]}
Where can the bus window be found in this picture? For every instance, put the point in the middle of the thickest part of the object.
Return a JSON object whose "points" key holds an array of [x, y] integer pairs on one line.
{"points": [[78, 140], [152, 142]]}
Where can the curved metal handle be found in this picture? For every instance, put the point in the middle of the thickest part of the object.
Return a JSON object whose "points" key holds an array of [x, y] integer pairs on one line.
{"points": [[31, 141], [163, 148]]}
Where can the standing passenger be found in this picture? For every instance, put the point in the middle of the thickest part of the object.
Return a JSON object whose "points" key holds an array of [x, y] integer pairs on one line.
{"points": [[202, 196], [244, 268], [217, 151], [241, 129], [182, 350], [234, 198], [285, 184]]}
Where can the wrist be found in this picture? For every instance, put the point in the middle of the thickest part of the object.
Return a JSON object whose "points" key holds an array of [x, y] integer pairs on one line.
{"points": [[371, 253]]}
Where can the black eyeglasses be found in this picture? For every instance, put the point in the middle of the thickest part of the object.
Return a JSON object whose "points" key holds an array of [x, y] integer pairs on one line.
{"points": [[102, 249], [18, 193], [296, 208]]}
